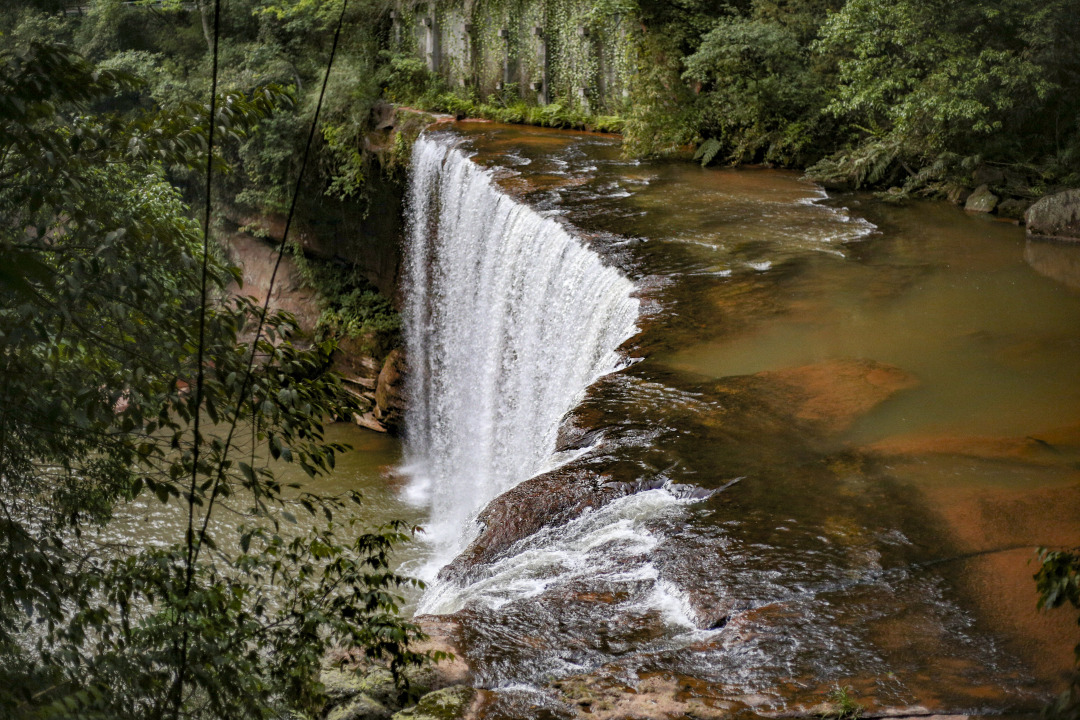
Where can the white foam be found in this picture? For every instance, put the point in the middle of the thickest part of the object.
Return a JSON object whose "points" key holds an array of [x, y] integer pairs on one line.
{"points": [[605, 547], [508, 318]]}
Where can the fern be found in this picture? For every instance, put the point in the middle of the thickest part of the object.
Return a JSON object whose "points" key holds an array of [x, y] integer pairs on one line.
{"points": [[707, 151]]}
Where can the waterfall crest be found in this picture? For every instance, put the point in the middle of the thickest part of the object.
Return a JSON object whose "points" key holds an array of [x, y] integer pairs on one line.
{"points": [[508, 318]]}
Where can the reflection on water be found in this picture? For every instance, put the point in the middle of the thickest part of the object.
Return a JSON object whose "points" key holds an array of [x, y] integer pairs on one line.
{"points": [[368, 468], [886, 549], [947, 299], [1054, 259]]}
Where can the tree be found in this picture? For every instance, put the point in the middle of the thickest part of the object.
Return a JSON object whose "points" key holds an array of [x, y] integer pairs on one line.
{"points": [[1058, 584], [100, 300]]}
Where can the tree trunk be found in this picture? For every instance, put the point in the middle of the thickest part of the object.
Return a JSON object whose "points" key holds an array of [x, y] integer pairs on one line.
{"points": [[203, 14]]}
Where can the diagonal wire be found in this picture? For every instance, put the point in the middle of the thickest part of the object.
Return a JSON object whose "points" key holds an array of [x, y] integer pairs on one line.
{"points": [[248, 374], [200, 377]]}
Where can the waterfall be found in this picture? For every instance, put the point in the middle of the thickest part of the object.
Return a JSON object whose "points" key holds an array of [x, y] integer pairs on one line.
{"points": [[508, 319]]}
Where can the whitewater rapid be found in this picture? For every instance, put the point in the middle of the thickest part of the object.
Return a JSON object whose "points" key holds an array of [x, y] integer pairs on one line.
{"points": [[508, 319]]}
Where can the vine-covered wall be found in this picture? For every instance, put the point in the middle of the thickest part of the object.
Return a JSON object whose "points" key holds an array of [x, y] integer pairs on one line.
{"points": [[575, 52]]}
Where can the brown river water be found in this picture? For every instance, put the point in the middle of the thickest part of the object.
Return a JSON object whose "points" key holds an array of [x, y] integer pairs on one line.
{"points": [[898, 390], [884, 402]]}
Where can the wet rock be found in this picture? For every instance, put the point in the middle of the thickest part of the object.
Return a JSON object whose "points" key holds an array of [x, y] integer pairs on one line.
{"points": [[771, 416], [446, 704], [553, 498], [373, 681], [981, 201], [1055, 215], [353, 360], [359, 707], [444, 635], [957, 194], [350, 672], [390, 391], [1013, 208], [654, 696], [341, 684]]}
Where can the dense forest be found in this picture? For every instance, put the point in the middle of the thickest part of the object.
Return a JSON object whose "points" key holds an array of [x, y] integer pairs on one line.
{"points": [[128, 369]]}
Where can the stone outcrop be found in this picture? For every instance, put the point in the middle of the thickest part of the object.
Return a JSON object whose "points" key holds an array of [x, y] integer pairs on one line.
{"points": [[390, 391], [1056, 216], [357, 689], [988, 175], [553, 498], [256, 258], [446, 704], [981, 201]]}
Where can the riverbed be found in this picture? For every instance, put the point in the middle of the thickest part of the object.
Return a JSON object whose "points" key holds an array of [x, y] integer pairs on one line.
{"points": [[824, 455]]}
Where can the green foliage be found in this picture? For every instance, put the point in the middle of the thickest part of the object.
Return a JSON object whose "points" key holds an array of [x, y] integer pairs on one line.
{"points": [[99, 330], [1058, 584], [843, 705], [405, 77], [407, 80], [351, 307], [661, 119], [927, 77], [757, 97], [1058, 581]]}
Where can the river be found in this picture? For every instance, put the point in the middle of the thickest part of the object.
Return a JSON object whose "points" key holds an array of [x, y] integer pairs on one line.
{"points": [[731, 443]]}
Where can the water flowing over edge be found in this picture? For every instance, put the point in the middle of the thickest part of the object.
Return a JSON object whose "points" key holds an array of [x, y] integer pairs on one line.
{"points": [[508, 319]]}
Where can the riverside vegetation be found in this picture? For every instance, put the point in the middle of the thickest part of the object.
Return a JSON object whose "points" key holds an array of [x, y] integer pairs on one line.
{"points": [[104, 136]]}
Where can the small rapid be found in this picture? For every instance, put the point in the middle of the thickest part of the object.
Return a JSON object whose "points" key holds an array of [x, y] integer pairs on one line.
{"points": [[508, 319], [741, 519]]}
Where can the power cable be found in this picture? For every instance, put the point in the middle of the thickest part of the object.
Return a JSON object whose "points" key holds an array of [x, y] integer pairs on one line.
{"points": [[273, 277], [200, 376]]}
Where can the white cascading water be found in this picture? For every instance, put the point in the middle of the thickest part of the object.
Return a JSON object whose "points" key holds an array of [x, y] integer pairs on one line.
{"points": [[508, 319]]}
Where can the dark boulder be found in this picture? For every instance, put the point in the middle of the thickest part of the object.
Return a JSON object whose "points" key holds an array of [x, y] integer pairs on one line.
{"points": [[981, 201], [1056, 215], [1013, 208]]}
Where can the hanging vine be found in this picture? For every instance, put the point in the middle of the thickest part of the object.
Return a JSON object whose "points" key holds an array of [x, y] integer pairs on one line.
{"points": [[492, 53]]}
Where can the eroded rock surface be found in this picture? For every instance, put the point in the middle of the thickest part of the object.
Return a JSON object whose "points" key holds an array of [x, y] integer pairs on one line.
{"points": [[358, 689], [390, 391], [982, 200], [256, 258], [1056, 215]]}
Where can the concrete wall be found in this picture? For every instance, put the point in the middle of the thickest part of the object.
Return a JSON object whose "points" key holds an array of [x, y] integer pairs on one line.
{"points": [[562, 51]]}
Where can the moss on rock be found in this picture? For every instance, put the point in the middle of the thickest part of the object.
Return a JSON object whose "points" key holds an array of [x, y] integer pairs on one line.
{"points": [[446, 704]]}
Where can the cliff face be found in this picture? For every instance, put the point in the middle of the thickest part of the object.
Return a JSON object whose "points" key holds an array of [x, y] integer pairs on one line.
{"points": [[566, 52]]}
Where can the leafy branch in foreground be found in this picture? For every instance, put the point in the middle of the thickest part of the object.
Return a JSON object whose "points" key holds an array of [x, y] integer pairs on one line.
{"points": [[99, 300], [1058, 583]]}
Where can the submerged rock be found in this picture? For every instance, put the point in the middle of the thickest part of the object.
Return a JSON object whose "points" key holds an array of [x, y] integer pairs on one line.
{"points": [[833, 394], [981, 201], [1055, 215]]}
